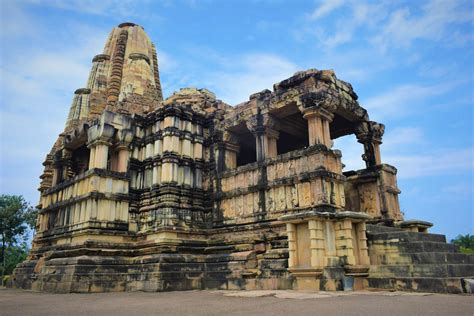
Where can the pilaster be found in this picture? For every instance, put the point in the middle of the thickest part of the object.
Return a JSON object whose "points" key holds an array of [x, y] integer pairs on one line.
{"points": [[316, 231], [292, 258], [344, 245]]}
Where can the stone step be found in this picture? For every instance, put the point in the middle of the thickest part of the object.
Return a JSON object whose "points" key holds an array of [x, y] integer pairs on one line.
{"points": [[381, 229], [426, 246], [423, 258], [423, 270], [402, 236], [441, 257], [418, 284]]}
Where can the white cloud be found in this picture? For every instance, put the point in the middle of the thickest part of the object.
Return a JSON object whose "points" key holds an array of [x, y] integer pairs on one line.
{"points": [[464, 189], [248, 74], [407, 135], [442, 162], [352, 16], [404, 99], [325, 8], [102, 7], [232, 78], [404, 26], [400, 148], [435, 162]]}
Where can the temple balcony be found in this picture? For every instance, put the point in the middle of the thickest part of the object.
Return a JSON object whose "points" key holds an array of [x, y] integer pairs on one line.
{"points": [[293, 182]]}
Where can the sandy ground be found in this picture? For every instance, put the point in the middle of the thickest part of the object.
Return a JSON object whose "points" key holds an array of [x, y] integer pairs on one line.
{"points": [[18, 302]]}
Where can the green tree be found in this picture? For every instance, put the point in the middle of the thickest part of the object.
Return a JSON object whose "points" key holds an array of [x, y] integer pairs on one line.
{"points": [[15, 217], [465, 243], [14, 255]]}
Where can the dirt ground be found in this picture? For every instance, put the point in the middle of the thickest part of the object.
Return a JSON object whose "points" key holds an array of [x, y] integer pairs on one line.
{"points": [[19, 302]]}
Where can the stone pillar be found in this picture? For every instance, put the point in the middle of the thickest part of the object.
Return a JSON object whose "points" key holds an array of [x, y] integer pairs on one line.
{"points": [[264, 127], [270, 138], [101, 153], [292, 258], [318, 109], [91, 157], [123, 156], [314, 128], [259, 141], [316, 231], [318, 126], [370, 135], [99, 139]]}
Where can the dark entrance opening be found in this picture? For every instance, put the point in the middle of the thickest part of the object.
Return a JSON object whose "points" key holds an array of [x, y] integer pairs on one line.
{"points": [[246, 140]]}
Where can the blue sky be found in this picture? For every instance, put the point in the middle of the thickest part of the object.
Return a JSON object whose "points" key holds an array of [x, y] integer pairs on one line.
{"points": [[410, 62]]}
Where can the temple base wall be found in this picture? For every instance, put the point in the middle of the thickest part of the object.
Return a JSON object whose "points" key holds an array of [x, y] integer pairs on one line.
{"points": [[249, 258]]}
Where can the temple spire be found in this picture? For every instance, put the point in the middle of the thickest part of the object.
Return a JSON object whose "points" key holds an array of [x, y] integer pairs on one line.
{"points": [[125, 77]]}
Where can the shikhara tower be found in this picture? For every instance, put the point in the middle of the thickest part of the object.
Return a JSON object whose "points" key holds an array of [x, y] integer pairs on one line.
{"points": [[141, 193]]}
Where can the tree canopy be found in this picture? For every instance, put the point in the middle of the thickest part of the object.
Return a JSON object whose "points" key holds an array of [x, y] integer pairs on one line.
{"points": [[16, 216]]}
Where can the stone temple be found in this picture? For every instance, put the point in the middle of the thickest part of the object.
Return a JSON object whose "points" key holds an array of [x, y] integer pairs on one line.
{"points": [[152, 194]]}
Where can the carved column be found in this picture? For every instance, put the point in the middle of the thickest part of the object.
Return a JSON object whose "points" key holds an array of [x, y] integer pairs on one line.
{"points": [[264, 127], [254, 126], [99, 141], [123, 154], [101, 153], [270, 143], [318, 110], [91, 157], [370, 135], [270, 136], [125, 138]]}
